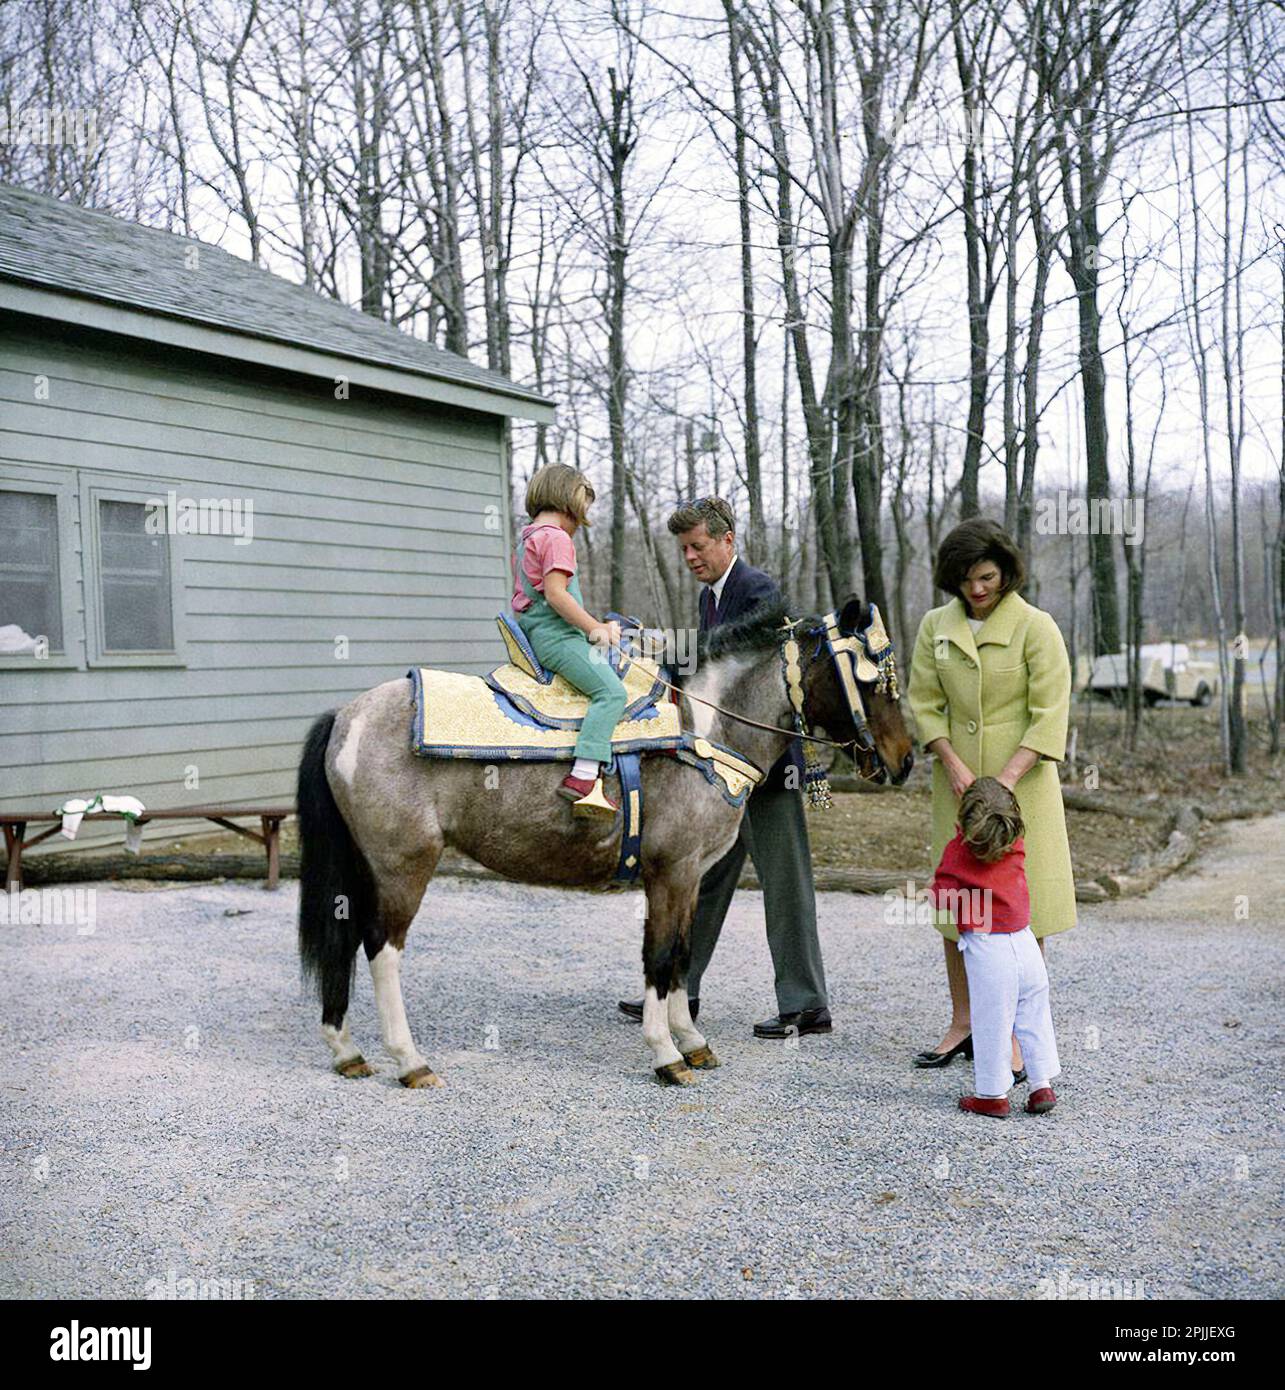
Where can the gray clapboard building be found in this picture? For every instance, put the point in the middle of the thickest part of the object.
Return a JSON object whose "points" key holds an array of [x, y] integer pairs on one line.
{"points": [[356, 520]]}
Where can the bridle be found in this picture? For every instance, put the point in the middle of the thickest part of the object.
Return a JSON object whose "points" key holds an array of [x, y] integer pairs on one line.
{"points": [[864, 657]]}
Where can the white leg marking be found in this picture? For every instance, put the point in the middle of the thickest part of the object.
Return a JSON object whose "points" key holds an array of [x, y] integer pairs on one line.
{"points": [[686, 1034], [340, 1041], [346, 758], [385, 971], [656, 1030]]}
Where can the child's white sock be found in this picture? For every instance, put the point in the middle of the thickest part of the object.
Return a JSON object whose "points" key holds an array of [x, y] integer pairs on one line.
{"points": [[586, 769]]}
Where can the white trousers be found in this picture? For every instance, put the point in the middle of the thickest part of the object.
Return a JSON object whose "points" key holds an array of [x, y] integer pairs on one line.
{"points": [[1008, 993]]}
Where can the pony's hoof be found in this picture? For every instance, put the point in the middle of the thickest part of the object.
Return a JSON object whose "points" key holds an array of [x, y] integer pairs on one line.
{"points": [[421, 1078], [675, 1074], [701, 1059], [355, 1067]]}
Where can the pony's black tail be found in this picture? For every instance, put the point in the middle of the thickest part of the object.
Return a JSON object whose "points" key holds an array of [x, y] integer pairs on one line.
{"points": [[336, 886]]}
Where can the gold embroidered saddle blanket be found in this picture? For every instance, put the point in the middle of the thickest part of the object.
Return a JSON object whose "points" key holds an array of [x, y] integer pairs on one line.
{"points": [[522, 712]]}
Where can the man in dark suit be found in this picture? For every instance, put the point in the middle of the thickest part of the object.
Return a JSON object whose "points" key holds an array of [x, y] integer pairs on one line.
{"points": [[773, 830]]}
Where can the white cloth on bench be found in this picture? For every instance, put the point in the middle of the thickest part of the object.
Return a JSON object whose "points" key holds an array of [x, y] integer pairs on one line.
{"points": [[76, 808]]}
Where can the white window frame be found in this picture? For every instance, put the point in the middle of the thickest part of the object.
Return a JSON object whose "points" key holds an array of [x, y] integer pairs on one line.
{"points": [[61, 483], [107, 487]]}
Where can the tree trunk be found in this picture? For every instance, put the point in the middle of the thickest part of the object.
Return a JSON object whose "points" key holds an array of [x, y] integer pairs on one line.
{"points": [[757, 535]]}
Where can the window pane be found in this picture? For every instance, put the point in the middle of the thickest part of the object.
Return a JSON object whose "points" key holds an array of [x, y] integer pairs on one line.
{"points": [[30, 593], [135, 569]]}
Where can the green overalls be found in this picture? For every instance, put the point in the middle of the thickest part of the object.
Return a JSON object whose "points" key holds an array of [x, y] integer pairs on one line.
{"points": [[566, 650]]}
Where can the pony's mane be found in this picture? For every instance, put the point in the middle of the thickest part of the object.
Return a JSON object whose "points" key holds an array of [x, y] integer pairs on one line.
{"points": [[754, 632]]}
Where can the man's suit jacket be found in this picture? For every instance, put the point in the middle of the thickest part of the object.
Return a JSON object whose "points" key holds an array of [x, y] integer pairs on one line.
{"points": [[746, 588]]}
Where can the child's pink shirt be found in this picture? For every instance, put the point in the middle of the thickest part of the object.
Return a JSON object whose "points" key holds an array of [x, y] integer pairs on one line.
{"points": [[545, 547]]}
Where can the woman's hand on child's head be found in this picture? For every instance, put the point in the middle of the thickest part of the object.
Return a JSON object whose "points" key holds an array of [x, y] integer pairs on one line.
{"points": [[960, 778]]}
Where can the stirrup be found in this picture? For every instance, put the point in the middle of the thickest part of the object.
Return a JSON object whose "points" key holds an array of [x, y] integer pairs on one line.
{"points": [[594, 803]]}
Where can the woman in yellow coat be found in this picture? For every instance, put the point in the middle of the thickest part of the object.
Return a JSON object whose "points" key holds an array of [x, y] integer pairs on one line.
{"points": [[990, 690]]}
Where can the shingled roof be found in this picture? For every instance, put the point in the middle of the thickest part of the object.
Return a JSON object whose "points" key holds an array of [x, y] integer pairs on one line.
{"points": [[61, 246]]}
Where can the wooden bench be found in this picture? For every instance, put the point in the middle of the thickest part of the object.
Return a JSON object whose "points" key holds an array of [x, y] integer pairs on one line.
{"points": [[15, 825]]}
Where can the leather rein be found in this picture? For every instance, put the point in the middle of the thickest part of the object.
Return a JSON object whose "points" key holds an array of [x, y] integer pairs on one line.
{"points": [[839, 649]]}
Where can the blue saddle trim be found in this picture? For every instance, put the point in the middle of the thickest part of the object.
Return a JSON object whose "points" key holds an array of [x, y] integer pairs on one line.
{"points": [[507, 617], [629, 769], [686, 753], [641, 708], [416, 678]]}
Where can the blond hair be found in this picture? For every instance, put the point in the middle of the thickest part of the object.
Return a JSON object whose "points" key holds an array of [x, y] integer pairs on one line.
{"points": [[560, 488]]}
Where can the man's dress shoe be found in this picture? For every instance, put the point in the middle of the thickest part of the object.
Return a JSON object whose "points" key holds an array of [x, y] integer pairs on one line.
{"points": [[786, 1025], [632, 1008]]}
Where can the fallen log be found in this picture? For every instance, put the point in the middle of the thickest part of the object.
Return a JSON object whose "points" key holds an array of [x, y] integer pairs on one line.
{"points": [[1143, 872], [44, 869], [1146, 870], [1113, 804]]}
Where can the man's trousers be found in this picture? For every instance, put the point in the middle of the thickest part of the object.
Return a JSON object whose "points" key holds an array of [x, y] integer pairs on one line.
{"points": [[775, 836]]}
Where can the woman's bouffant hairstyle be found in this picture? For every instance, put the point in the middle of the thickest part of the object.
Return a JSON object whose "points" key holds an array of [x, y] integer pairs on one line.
{"points": [[979, 538], [560, 488], [989, 819]]}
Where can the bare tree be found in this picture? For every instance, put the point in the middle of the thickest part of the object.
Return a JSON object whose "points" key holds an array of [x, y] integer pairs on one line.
{"points": [[757, 547], [1101, 68]]}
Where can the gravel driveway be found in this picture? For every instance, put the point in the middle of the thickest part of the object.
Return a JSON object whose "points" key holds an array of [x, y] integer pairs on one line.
{"points": [[168, 1113]]}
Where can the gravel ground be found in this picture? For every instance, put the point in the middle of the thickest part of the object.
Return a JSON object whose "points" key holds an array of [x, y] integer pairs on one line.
{"points": [[167, 1110]]}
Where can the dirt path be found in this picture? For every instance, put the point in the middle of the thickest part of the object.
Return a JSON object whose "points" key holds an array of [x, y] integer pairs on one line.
{"points": [[1238, 875]]}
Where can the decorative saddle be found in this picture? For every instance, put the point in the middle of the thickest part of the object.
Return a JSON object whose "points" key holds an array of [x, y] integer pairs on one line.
{"points": [[521, 712]]}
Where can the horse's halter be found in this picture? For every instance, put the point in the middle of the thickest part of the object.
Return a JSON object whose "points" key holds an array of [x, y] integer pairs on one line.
{"points": [[867, 657]]}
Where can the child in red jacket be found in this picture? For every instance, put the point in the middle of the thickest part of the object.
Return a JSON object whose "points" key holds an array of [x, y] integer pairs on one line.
{"points": [[981, 882]]}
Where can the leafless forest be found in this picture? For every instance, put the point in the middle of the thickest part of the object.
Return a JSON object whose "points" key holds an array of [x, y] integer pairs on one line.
{"points": [[863, 267]]}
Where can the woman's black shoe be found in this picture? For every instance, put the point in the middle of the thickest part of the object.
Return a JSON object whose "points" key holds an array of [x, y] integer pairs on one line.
{"points": [[944, 1059]]}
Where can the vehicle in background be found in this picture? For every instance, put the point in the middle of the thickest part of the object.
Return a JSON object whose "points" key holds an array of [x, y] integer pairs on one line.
{"points": [[1166, 671]]}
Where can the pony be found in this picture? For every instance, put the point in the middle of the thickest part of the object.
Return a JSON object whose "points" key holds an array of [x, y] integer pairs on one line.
{"points": [[374, 819]]}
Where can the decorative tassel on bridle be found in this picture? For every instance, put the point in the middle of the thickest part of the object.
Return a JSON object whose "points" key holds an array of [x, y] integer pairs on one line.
{"points": [[878, 649], [815, 781]]}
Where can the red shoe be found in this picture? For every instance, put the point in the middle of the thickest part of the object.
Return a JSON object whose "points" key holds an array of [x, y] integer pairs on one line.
{"points": [[588, 796], [980, 1105], [1038, 1102]]}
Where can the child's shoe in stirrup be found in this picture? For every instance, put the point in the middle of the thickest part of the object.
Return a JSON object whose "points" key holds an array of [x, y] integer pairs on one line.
{"points": [[1041, 1101], [982, 1105], [587, 798]]}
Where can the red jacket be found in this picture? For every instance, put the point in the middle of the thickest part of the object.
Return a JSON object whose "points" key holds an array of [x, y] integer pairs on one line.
{"points": [[980, 896]]}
